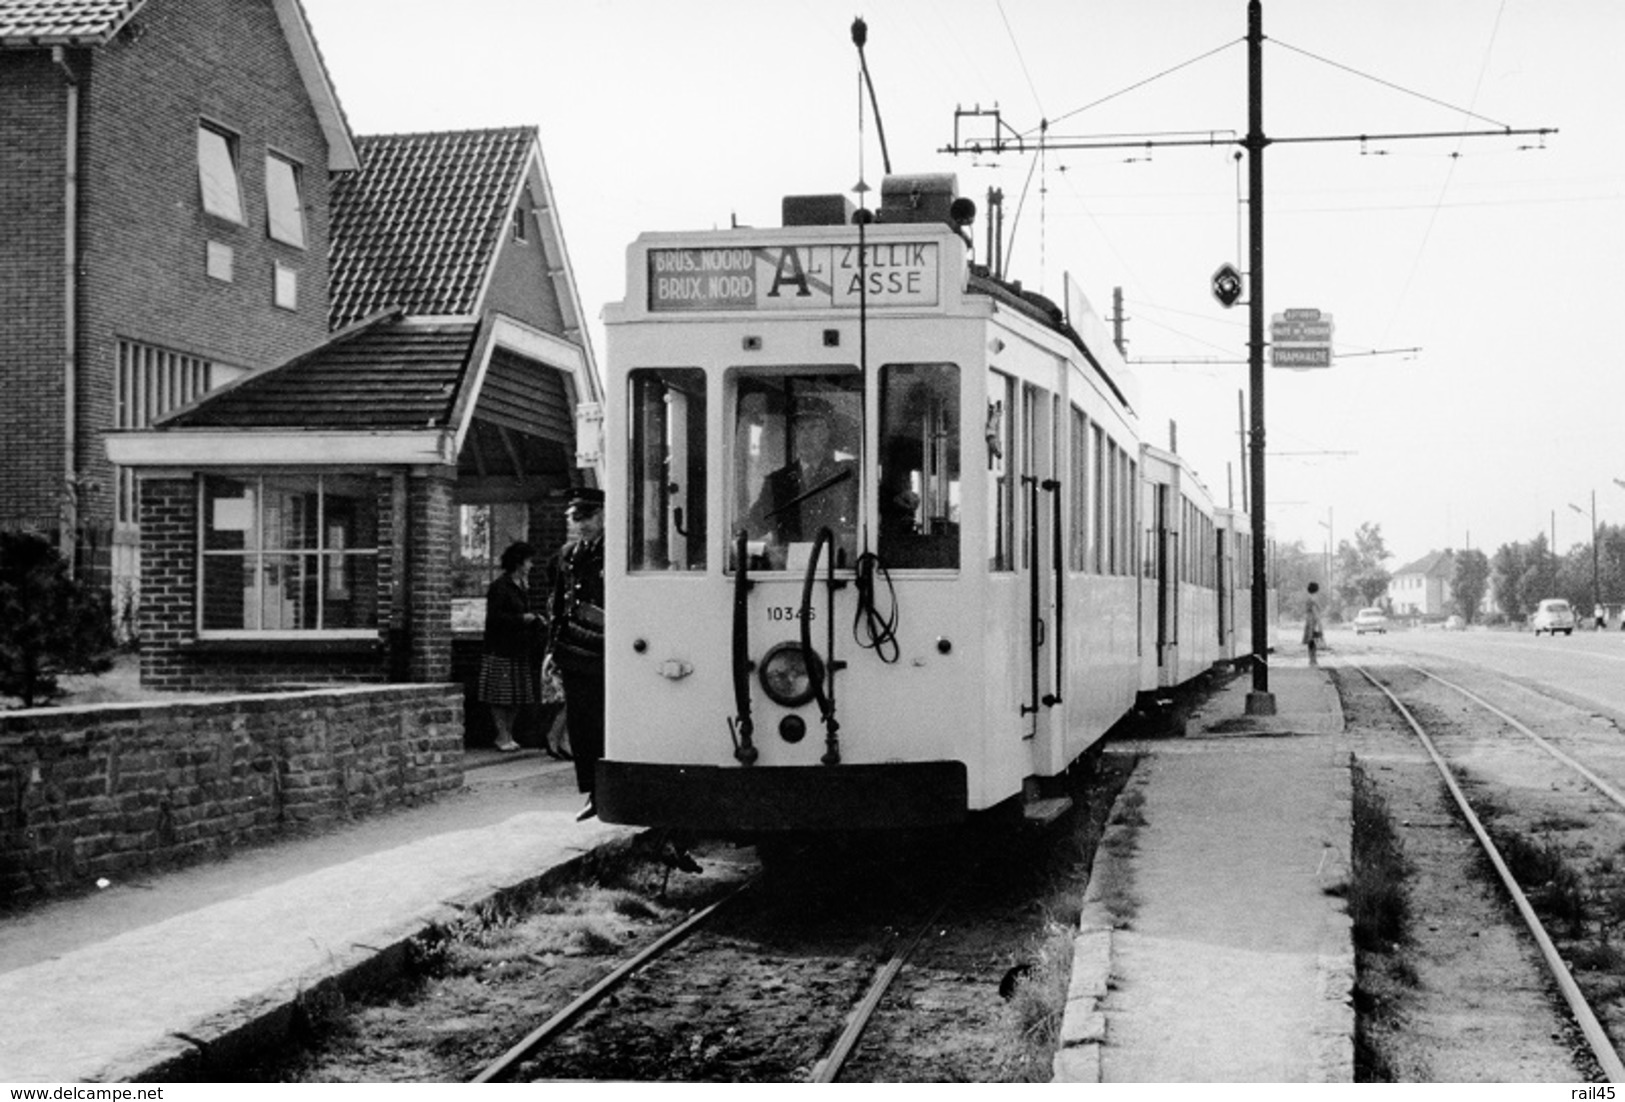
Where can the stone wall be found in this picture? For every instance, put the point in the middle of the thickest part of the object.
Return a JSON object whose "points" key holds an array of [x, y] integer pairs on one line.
{"points": [[115, 789]]}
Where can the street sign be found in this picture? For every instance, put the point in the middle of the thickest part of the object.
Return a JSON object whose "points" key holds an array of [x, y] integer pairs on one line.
{"points": [[1304, 355], [1227, 285], [1301, 337]]}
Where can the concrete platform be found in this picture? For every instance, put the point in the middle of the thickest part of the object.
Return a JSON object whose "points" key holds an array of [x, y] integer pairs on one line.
{"points": [[94, 989], [1214, 944]]}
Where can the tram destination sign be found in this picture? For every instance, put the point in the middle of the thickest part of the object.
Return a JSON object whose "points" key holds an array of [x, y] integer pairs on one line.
{"points": [[793, 277]]}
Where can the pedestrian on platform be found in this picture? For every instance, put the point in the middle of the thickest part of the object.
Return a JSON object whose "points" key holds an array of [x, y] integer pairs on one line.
{"points": [[1312, 635], [507, 674], [576, 639]]}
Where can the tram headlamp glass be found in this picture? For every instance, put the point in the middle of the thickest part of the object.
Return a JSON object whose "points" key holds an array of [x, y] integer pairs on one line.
{"points": [[786, 673]]}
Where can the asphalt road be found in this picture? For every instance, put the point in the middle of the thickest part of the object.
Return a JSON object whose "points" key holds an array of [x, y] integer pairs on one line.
{"points": [[1587, 668]]}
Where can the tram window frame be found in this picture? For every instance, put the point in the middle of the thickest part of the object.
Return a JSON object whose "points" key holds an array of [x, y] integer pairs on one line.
{"points": [[921, 475], [1078, 469], [1000, 436], [667, 523], [762, 404]]}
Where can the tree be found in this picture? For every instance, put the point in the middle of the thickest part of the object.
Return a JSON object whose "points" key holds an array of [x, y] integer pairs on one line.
{"points": [[1361, 578], [1294, 568], [1509, 564], [1469, 581], [49, 623], [1539, 579]]}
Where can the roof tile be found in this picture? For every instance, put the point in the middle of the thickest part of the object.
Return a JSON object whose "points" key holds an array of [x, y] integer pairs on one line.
{"points": [[62, 22]]}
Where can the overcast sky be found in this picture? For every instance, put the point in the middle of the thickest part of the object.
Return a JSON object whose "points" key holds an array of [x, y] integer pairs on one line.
{"points": [[1475, 284]]}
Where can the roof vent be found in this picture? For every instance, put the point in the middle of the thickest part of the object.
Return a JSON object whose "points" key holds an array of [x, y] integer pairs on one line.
{"points": [[817, 210], [927, 197]]}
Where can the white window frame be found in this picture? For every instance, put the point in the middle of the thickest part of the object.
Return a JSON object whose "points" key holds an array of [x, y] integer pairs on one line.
{"points": [[324, 554], [284, 200], [221, 190]]}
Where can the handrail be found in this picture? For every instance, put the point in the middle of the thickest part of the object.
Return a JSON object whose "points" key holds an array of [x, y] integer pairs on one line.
{"points": [[816, 669], [740, 725], [1057, 551]]}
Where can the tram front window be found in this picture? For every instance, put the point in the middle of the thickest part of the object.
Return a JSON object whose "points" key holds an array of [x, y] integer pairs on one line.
{"points": [[797, 465], [666, 511]]}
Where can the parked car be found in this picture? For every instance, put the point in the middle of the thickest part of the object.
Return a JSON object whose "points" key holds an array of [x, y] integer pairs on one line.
{"points": [[1371, 619], [1454, 623], [1553, 615]]}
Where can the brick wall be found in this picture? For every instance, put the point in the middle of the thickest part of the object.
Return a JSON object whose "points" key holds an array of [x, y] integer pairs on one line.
{"points": [[107, 790], [32, 139], [413, 641]]}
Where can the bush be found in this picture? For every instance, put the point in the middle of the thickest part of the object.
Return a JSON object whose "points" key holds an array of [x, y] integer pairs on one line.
{"points": [[49, 623]]}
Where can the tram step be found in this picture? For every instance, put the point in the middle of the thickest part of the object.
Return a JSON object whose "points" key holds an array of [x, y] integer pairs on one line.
{"points": [[1046, 811]]}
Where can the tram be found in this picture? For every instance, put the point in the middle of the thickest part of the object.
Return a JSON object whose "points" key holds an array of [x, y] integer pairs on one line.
{"points": [[887, 548]]}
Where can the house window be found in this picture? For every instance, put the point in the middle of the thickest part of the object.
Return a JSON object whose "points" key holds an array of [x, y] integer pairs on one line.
{"points": [[288, 555], [217, 173], [148, 383], [284, 208], [286, 287], [520, 233]]}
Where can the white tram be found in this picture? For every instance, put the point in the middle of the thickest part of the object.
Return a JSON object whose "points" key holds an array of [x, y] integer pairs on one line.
{"points": [[878, 528]]}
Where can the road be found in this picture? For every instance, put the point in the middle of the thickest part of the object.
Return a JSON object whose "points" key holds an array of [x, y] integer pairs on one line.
{"points": [[1586, 668]]}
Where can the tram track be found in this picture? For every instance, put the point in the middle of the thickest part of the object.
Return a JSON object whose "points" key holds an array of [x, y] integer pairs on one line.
{"points": [[523, 1060], [1603, 1047]]}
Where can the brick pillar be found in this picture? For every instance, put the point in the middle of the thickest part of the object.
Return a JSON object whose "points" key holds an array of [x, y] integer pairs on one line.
{"points": [[167, 615], [430, 530]]}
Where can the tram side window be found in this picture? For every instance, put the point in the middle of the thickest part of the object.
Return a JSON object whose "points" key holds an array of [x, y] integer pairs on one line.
{"points": [[666, 522], [919, 466], [1078, 555], [1001, 449], [796, 465]]}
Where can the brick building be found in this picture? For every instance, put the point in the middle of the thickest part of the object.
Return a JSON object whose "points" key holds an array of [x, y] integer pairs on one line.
{"points": [[299, 385], [317, 521], [164, 195]]}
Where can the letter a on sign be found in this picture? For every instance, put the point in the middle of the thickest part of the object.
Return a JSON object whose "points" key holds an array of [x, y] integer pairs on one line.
{"points": [[1227, 285]]}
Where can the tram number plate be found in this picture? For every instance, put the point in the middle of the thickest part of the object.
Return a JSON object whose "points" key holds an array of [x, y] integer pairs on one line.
{"points": [[781, 613], [794, 277]]}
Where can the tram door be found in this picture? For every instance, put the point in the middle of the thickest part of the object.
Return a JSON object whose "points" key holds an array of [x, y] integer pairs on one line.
{"points": [[1040, 496], [1167, 552]]}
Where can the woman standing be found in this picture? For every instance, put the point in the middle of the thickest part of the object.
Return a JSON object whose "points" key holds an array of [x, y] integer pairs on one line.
{"points": [[506, 673], [1311, 623]]}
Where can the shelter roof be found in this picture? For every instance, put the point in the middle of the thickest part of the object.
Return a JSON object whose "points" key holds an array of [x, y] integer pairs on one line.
{"points": [[389, 373]]}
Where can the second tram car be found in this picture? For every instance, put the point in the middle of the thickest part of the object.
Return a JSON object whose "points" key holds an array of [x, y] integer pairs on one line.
{"points": [[886, 547]]}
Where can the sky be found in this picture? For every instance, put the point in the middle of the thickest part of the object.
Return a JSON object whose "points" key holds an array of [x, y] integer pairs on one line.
{"points": [[1476, 395]]}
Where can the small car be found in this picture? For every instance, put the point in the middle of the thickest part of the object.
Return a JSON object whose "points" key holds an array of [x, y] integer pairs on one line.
{"points": [[1371, 619], [1454, 623], [1552, 616]]}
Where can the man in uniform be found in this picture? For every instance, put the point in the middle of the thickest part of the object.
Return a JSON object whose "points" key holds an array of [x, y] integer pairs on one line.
{"points": [[814, 490]]}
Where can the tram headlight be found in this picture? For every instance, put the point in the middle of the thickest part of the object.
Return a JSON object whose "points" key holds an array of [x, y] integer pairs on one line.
{"points": [[787, 673]]}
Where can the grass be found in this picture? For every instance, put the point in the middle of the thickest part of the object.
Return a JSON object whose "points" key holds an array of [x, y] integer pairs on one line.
{"points": [[1378, 900]]}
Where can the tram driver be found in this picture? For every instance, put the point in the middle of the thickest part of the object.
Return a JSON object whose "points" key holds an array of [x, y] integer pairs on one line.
{"points": [[815, 489]]}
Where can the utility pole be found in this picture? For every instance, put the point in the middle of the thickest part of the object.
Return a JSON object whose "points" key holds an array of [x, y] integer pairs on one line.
{"points": [[1260, 702], [1005, 139]]}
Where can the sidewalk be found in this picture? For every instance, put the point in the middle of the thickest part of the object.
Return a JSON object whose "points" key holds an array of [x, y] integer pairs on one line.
{"points": [[1214, 944], [145, 979]]}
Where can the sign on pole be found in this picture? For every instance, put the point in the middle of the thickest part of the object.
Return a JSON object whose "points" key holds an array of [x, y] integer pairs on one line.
{"points": [[1227, 285], [1301, 338]]}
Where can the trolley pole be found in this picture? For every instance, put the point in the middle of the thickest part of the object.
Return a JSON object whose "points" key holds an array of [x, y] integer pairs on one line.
{"points": [[1260, 702]]}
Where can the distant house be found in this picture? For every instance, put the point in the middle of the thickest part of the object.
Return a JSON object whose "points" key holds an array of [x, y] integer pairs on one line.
{"points": [[307, 522], [1422, 588], [165, 168]]}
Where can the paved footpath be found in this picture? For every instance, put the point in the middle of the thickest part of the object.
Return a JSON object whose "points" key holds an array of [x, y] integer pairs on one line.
{"points": [[147, 979], [1214, 944]]}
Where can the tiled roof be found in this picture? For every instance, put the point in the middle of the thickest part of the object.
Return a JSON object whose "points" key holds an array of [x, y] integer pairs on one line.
{"points": [[417, 229], [1441, 563], [390, 374], [62, 22]]}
